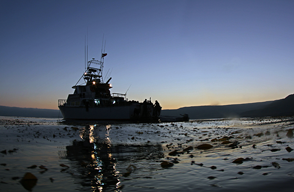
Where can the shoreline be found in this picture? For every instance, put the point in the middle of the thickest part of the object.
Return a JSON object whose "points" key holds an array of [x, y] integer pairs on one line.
{"points": [[133, 155]]}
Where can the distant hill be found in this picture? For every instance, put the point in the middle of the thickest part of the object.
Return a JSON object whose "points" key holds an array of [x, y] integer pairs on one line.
{"points": [[29, 112], [282, 107], [215, 111]]}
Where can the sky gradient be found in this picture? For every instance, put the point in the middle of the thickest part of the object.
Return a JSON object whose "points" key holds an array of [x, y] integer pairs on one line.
{"points": [[181, 53]]}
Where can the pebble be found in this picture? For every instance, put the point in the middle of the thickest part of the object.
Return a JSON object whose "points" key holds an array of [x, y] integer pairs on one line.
{"points": [[204, 146], [288, 159], [29, 181], [238, 160], [289, 149], [32, 167], [166, 164], [213, 167], [173, 153], [257, 167], [276, 165], [211, 177]]}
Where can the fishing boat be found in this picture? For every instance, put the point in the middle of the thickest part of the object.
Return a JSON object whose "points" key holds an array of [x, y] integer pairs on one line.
{"points": [[92, 99]]}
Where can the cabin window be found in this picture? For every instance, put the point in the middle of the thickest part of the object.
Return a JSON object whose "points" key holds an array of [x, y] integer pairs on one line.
{"points": [[97, 101]]}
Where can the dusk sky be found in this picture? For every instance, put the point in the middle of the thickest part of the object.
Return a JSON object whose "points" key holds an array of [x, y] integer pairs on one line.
{"points": [[181, 53]]}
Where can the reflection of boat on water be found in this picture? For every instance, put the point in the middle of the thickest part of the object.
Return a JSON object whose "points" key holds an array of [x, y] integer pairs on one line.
{"points": [[93, 101], [98, 160]]}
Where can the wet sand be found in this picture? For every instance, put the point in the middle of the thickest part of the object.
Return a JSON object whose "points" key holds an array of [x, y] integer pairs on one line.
{"points": [[237, 155]]}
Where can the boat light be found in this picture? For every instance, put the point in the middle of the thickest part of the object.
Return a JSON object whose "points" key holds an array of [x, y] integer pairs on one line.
{"points": [[110, 85], [94, 82]]}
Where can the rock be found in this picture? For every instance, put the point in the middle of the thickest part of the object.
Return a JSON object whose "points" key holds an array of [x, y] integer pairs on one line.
{"points": [[289, 133], [265, 174], [211, 177], [288, 159], [190, 148], [63, 165], [257, 167], [289, 149], [4, 152], [204, 146], [274, 150], [32, 167], [75, 128], [226, 142], [240, 173], [29, 181], [213, 167], [131, 168], [238, 160], [126, 174], [225, 138], [258, 134], [234, 144], [248, 137], [173, 153], [276, 165], [166, 164], [12, 150], [43, 167], [175, 160], [29, 176]]}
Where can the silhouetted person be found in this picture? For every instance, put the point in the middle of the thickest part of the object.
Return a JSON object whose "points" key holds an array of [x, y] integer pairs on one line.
{"points": [[157, 108]]}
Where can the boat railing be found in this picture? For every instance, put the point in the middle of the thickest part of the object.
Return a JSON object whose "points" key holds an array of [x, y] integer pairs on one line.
{"points": [[119, 95], [61, 102]]}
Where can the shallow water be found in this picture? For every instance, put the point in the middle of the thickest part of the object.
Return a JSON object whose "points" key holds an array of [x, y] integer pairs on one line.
{"points": [[128, 157]]}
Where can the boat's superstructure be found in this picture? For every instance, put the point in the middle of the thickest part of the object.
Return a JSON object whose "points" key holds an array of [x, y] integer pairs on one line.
{"points": [[93, 100]]}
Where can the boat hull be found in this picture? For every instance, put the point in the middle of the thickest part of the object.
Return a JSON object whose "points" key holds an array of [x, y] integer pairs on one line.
{"points": [[99, 113]]}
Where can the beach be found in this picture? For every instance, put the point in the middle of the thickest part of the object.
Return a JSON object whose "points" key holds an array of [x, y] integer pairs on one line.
{"points": [[241, 154]]}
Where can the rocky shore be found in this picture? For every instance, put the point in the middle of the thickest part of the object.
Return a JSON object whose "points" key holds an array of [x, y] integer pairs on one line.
{"points": [[203, 155]]}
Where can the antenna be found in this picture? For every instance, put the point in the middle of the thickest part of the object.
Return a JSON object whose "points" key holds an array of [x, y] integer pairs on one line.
{"points": [[102, 45], [128, 89], [85, 54], [87, 46], [106, 74]]}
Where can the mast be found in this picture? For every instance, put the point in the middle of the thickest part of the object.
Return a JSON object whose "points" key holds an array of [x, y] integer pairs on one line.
{"points": [[103, 54], [93, 73], [85, 54]]}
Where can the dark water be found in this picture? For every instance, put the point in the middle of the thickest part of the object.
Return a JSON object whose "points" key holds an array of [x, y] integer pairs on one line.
{"points": [[128, 157]]}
